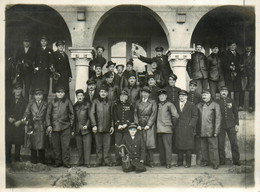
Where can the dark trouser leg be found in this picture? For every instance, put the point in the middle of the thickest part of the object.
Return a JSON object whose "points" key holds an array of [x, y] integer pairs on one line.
{"points": [[180, 157], [56, 144], [213, 88], [188, 157], [27, 84], [139, 167], [204, 149], [161, 149], [87, 140], [213, 150], [149, 155], [236, 98], [241, 98], [99, 142], [167, 142], [33, 156], [80, 149], [17, 152], [106, 147], [232, 135], [221, 145], [42, 156], [65, 142], [118, 141], [252, 99], [198, 149], [8, 148]]}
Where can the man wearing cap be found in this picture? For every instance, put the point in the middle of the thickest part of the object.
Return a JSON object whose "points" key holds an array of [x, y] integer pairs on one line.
{"points": [[98, 58], [123, 114], [185, 128], [151, 83], [133, 89], [41, 78], [116, 77], [129, 70], [16, 106], [59, 122], [208, 129], [162, 61], [91, 92], [133, 152], [166, 120], [98, 77], [82, 129], [35, 114], [231, 70], [145, 117], [159, 79], [62, 66], [215, 74], [197, 68], [120, 70], [113, 89], [229, 126], [102, 126], [193, 96], [171, 89], [25, 56]]}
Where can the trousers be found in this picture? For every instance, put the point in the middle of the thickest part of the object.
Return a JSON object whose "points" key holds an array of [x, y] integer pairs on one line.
{"points": [[209, 150], [83, 143], [165, 148], [103, 141]]}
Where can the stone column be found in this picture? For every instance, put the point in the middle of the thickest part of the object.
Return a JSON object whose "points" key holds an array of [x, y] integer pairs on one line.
{"points": [[82, 56], [178, 59]]}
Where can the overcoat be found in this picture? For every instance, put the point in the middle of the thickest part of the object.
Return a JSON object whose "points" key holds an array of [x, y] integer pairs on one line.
{"points": [[248, 62], [81, 118], [214, 67], [172, 93], [196, 67], [133, 93]]}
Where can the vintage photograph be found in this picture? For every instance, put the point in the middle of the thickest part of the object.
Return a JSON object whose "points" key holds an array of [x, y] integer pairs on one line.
{"points": [[130, 95]]}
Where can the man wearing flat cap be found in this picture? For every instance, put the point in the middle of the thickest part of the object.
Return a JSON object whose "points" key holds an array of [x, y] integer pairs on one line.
{"points": [[132, 88], [129, 70], [123, 114], [91, 92], [229, 126], [111, 68], [62, 66], [25, 56], [171, 89], [208, 129], [98, 58], [151, 83], [98, 77], [197, 68], [41, 78], [162, 61], [185, 128], [59, 122], [35, 114], [193, 95], [113, 89]]}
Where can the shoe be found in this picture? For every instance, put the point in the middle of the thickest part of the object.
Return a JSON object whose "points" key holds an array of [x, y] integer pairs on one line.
{"points": [[204, 164], [168, 166], [215, 166], [67, 166], [98, 165], [187, 166], [151, 164], [88, 166], [118, 164], [57, 165], [237, 163], [178, 164]]}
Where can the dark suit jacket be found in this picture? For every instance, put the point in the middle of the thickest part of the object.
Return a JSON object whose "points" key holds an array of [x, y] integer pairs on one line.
{"points": [[81, 118], [87, 96], [26, 59]]}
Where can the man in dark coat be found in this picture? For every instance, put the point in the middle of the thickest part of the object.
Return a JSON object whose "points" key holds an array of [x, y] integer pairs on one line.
{"points": [[215, 74], [98, 59], [41, 78], [82, 129], [209, 127], [35, 114], [98, 77], [185, 128], [113, 89], [61, 65], [123, 114], [158, 76], [129, 70], [166, 120], [133, 89], [102, 126], [171, 89], [91, 92], [193, 96], [59, 122], [111, 69], [151, 83], [229, 126], [15, 123], [197, 68], [161, 60], [25, 56], [232, 71]]}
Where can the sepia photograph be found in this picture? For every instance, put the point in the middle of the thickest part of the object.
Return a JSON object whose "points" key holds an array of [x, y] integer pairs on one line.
{"points": [[138, 94]]}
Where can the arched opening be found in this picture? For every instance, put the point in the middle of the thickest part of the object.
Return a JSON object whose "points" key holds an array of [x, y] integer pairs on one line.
{"points": [[124, 25], [225, 23]]}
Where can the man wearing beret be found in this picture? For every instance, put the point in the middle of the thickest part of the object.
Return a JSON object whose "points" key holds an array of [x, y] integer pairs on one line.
{"points": [[215, 74], [16, 106], [123, 114], [197, 68], [171, 89], [25, 56], [98, 77], [166, 120], [35, 114], [42, 66], [158, 76], [102, 126], [98, 58], [133, 89], [91, 92], [59, 122], [162, 61], [129, 70], [111, 68], [62, 66], [145, 117], [82, 129], [185, 128], [229, 126], [208, 129]]}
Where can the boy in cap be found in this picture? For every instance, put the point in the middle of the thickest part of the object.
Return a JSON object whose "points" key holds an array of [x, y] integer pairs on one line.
{"points": [[113, 89], [166, 120], [229, 126], [151, 82], [185, 128], [111, 68], [120, 70], [59, 122], [160, 82], [35, 114], [133, 89], [16, 106], [145, 117], [102, 126], [193, 96], [61, 65], [123, 113], [129, 70], [209, 126], [133, 150], [82, 129], [91, 92], [98, 77], [98, 58], [171, 89]]}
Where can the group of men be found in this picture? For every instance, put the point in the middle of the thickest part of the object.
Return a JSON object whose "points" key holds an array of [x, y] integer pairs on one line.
{"points": [[157, 115]]}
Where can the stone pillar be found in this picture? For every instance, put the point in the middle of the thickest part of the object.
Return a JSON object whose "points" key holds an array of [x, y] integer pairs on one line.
{"points": [[178, 59], [82, 56]]}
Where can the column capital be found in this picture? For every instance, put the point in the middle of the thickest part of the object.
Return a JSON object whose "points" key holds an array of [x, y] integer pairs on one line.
{"points": [[81, 52], [179, 53]]}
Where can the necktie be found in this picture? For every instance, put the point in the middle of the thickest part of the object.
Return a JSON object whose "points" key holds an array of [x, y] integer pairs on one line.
{"points": [[91, 95]]}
